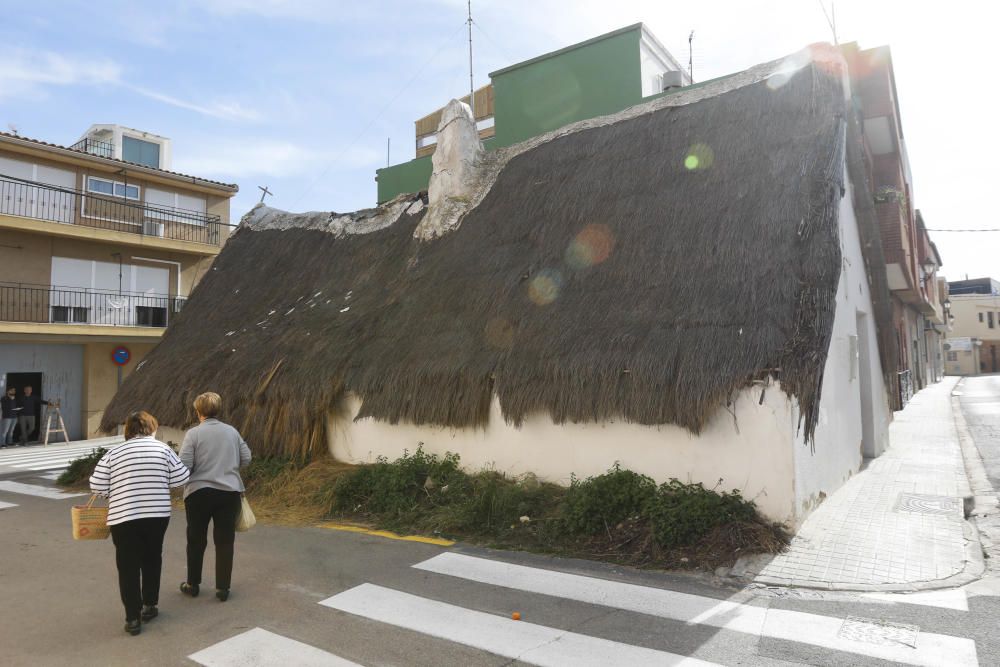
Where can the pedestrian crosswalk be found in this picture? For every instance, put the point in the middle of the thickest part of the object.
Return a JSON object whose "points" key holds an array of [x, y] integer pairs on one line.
{"points": [[260, 647], [36, 490], [50, 458], [466, 620]]}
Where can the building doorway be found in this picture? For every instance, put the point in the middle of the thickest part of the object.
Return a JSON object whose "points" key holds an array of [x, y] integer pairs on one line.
{"points": [[19, 381], [868, 444]]}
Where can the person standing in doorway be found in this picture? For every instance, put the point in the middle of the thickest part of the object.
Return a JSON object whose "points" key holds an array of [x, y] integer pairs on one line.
{"points": [[30, 410], [214, 452], [8, 407]]}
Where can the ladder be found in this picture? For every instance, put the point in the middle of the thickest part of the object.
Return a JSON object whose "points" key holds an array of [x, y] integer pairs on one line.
{"points": [[54, 413]]}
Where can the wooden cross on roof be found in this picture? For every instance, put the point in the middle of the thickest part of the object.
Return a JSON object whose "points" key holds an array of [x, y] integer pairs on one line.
{"points": [[264, 192]]}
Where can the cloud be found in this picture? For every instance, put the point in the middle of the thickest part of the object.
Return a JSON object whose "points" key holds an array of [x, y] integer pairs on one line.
{"points": [[27, 72], [242, 158], [223, 110]]}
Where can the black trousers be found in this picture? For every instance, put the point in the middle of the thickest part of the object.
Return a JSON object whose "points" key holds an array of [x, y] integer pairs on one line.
{"points": [[139, 557], [222, 508]]}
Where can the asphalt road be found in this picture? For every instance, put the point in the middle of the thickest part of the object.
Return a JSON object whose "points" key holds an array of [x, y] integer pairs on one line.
{"points": [[980, 400], [60, 606]]}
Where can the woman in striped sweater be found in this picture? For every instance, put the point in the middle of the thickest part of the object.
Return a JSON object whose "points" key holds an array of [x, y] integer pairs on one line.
{"points": [[137, 476]]}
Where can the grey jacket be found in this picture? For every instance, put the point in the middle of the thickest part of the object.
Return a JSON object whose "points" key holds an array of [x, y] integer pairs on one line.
{"points": [[214, 453]]}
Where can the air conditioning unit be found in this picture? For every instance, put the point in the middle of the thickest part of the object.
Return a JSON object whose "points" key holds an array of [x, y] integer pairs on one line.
{"points": [[150, 228], [671, 79], [179, 303]]}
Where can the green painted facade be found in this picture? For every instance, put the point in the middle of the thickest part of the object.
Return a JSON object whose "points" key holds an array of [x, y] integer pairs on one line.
{"points": [[412, 176], [543, 95], [594, 78]]}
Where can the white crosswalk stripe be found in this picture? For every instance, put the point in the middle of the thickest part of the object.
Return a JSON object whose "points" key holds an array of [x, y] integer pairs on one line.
{"points": [[261, 648], [4, 505], [51, 457], [526, 642], [36, 490]]}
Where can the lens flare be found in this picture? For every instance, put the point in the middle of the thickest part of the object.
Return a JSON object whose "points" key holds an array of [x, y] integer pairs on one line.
{"points": [[544, 288], [788, 68], [499, 333], [591, 246], [699, 156]]}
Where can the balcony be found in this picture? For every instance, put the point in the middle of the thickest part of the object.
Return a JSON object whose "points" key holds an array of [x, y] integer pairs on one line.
{"points": [[95, 147], [45, 304], [28, 199]]}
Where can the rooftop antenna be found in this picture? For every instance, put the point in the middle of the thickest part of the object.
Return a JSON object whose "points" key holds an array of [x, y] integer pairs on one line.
{"points": [[472, 91], [264, 192], [831, 19], [691, 56], [13, 129]]}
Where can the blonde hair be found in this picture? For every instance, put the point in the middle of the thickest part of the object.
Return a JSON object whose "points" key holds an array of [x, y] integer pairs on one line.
{"points": [[208, 404], [140, 423]]}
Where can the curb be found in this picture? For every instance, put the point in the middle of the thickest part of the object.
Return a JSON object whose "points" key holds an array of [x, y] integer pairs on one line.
{"points": [[985, 511], [975, 565]]}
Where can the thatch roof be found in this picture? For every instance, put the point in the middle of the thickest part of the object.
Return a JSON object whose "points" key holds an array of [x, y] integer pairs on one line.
{"points": [[605, 274]]}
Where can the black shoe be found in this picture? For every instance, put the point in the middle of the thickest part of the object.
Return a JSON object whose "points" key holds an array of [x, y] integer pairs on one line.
{"points": [[222, 594], [133, 627], [190, 590], [149, 612]]}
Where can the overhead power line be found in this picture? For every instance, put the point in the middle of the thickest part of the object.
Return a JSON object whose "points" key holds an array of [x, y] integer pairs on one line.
{"points": [[965, 230]]}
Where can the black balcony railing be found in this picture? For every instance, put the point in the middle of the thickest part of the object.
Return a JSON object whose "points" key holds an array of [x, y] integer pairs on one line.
{"points": [[95, 147], [44, 304], [29, 199]]}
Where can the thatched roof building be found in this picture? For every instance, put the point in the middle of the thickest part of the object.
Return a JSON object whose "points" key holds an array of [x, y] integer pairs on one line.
{"points": [[644, 267]]}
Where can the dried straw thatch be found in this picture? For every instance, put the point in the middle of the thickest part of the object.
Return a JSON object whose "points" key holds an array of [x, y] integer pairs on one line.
{"points": [[646, 270]]}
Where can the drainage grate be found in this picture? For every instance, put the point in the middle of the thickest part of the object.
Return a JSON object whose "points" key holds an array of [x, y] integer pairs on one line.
{"points": [[874, 631], [924, 504]]}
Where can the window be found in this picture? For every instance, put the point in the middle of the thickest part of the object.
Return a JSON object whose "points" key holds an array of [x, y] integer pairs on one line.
{"points": [[989, 319], [70, 315], [953, 356], [112, 188], [980, 317], [189, 208], [141, 152], [150, 316]]}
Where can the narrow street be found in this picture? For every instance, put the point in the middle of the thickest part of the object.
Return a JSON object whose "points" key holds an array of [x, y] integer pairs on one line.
{"points": [[980, 399]]}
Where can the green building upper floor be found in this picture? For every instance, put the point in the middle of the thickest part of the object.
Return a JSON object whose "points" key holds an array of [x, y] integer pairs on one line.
{"points": [[600, 76]]}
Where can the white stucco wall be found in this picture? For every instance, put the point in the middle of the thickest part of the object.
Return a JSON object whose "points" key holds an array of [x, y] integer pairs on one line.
{"points": [[753, 454], [820, 469]]}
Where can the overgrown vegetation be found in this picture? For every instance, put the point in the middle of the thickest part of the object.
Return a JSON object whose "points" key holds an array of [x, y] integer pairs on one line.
{"points": [[620, 516], [79, 471]]}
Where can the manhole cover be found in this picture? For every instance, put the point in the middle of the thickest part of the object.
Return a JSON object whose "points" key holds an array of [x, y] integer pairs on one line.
{"points": [[924, 504], [874, 631]]}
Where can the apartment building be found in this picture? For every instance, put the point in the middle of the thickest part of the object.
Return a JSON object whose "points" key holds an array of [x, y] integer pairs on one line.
{"points": [[912, 260], [976, 306], [100, 245]]}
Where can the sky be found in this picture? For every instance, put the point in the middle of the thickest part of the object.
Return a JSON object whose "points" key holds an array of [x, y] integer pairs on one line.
{"points": [[301, 96]]}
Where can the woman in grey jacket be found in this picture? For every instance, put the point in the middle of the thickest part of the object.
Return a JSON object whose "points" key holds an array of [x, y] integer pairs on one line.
{"points": [[214, 452]]}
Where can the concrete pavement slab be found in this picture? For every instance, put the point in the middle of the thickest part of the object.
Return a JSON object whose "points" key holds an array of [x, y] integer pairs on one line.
{"points": [[898, 524]]}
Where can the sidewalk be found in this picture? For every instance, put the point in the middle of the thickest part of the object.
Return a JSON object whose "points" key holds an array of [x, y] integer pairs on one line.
{"points": [[899, 523]]}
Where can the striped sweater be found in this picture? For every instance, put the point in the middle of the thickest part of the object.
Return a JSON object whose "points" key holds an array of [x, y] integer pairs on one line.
{"points": [[137, 476]]}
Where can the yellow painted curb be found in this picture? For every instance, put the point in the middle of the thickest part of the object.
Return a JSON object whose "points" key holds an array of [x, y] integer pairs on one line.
{"points": [[351, 528]]}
